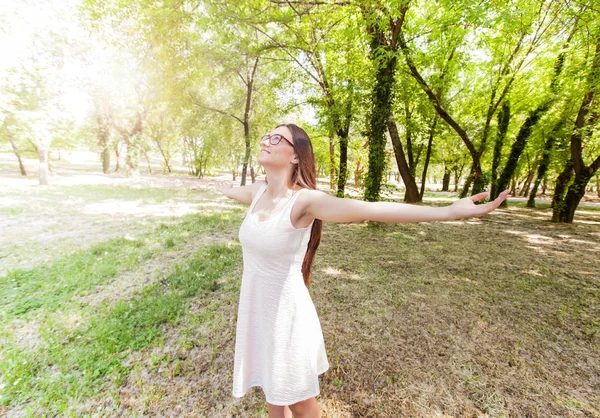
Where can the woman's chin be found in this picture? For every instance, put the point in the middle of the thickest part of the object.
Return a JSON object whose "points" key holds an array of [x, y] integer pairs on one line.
{"points": [[263, 158]]}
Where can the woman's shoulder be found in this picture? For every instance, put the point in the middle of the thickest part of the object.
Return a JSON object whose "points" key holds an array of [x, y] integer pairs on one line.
{"points": [[256, 186], [307, 196]]}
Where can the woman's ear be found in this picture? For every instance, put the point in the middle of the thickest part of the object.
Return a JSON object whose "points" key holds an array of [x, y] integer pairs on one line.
{"points": [[294, 159]]}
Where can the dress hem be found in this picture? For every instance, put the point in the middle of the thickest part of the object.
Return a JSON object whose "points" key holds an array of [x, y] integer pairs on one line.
{"points": [[280, 403]]}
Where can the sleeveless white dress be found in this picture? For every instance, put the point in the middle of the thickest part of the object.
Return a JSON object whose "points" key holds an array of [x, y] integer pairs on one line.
{"points": [[279, 342]]}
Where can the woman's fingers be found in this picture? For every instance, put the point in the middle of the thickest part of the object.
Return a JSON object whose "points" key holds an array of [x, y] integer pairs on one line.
{"points": [[479, 196]]}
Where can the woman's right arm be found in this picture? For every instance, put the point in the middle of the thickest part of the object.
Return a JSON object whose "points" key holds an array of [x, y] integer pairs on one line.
{"points": [[243, 194]]}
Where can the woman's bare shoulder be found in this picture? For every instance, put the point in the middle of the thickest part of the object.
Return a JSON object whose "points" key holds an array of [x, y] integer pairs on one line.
{"points": [[256, 187]]}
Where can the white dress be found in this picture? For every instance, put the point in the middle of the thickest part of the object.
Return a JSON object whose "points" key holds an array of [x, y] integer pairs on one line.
{"points": [[279, 343]]}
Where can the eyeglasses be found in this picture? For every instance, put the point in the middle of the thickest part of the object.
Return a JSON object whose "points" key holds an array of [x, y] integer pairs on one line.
{"points": [[275, 139]]}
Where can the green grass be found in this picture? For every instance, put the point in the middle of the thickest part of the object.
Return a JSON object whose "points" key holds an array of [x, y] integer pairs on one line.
{"points": [[69, 361], [73, 362], [53, 285]]}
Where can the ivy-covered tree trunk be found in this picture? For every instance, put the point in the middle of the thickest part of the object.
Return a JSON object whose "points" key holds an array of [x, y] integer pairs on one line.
{"points": [[574, 194], [411, 194], [343, 170], [343, 131], [583, 126], [544, 163], [562, 182], [380, 111], [529, 124], [503, 122], [518, 146]]}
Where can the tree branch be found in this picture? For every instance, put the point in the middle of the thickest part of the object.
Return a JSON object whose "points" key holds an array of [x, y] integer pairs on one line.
{"points": [[222, 112], [434, 99]]}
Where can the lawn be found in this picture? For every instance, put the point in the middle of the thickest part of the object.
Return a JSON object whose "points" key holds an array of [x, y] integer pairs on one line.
{"points": [[120, 299]]}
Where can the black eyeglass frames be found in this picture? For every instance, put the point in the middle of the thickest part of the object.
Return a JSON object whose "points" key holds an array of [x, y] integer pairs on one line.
{"points": [[275, 139]]}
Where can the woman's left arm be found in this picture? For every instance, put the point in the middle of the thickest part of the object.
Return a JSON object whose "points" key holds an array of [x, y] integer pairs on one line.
{"points": [[322, 206]]}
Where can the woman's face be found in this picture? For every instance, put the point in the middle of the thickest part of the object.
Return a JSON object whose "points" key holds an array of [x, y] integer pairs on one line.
{"points": [[279, 155]]}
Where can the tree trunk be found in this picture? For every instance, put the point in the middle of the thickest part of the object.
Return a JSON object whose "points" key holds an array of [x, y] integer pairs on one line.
{"points": [[358, 174], [503, 121], [477, 175], [164, 155], [409, 147], [15, 150], [247, 153], [446, 179], [467, 185], [559, 190], [574, 194], [513, 188], [529, 124], [457, 175], [380, 112], [343, 170], [518, 146], [331, 161], [411, 194], [427, 157], [583, 173], [529, 179], [544, 163], [117, 156], [147, 157], [103, 142], [544, 185], [43, 157], [131, 158]]}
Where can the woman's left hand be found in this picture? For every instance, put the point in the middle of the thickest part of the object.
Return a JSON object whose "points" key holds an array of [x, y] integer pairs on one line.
{"points": [[466, 207]]}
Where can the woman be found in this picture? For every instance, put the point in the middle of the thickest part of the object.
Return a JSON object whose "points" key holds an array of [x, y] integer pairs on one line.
{"points": [[279, 342]]}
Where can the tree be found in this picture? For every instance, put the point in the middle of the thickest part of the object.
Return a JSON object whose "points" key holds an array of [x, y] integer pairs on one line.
{"points": [[587, 117]]}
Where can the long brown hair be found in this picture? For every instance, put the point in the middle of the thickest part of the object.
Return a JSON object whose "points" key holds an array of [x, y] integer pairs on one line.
{"points": [[305, 175]]}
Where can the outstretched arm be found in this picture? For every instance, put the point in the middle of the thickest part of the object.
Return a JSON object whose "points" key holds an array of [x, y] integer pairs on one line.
{"points": [[243, 194], [332, 209]]}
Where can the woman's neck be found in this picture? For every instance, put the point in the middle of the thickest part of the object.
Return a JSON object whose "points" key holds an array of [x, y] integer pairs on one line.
{"points": [[279, 185]]}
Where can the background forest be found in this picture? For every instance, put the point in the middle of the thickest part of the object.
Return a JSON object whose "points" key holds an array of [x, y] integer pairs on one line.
{"points": [[472, 96]]}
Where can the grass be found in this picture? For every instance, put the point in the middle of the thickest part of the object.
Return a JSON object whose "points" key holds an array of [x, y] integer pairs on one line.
{"points": [[73, 362], [51, 286], [490, 317]]}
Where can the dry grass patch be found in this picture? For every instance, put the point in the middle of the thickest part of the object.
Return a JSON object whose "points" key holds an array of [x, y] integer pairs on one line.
{"points": [[449, 319]]}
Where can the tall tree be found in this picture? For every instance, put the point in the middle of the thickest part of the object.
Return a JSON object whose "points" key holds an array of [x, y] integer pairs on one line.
{"points": [[384, 38], [587, 117]]}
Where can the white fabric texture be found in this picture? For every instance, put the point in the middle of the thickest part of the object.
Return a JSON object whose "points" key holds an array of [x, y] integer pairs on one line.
{"points": [[279, 342]]}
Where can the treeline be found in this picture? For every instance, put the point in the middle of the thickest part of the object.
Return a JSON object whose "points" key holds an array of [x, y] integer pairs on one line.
{"points": [[490, 94]]}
